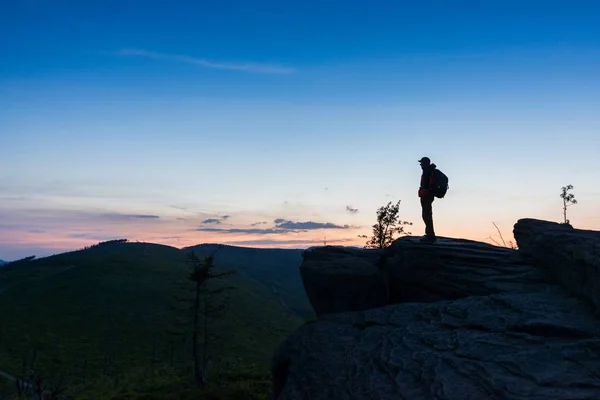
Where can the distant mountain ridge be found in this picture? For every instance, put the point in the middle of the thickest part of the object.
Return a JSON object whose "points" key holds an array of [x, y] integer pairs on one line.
{"points": [[277, 270], [79, 297], [2, 262]]}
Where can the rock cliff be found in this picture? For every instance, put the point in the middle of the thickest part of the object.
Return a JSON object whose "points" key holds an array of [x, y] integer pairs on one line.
{"points": [[454, 320], [570, 256]]}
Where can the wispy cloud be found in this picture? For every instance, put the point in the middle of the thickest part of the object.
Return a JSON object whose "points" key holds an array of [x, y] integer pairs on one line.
{"points": [[201, 62], [351, 209], [282, 226], [249, 231], [308, 225], [187, 210], [211, 221], [285, 242], [209, 217], [124, 217], [94, 236], [52, 221], [216, 220]]}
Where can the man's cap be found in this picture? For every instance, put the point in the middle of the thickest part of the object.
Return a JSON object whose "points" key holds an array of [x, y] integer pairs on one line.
{"points": [[425, 160]]}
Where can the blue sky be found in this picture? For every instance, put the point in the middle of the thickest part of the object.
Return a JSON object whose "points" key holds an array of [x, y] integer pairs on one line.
{"points": [[147, 119]]}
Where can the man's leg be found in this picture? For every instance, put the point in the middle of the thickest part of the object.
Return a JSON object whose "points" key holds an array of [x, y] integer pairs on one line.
{"points": [[427, 206]]}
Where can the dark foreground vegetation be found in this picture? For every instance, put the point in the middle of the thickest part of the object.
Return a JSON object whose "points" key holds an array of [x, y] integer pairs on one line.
{"points": [[123, 320]]}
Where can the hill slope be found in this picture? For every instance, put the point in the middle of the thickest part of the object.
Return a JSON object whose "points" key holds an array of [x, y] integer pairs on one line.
{"points": [[113, 302], [277, 270]]}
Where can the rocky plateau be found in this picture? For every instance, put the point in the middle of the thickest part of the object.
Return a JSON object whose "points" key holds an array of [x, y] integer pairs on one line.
{"points": [[455, 320]]}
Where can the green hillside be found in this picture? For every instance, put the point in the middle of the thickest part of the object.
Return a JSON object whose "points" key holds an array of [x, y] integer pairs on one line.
{"points": [[109, 308], [276, 269]]}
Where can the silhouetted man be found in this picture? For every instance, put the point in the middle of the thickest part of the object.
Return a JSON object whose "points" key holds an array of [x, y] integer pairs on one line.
{"points": [[427, 197]]}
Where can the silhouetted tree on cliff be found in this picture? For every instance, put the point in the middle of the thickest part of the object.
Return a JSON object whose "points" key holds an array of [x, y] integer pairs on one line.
{"points": [[568, 200], [203, 309], [388, 224]]}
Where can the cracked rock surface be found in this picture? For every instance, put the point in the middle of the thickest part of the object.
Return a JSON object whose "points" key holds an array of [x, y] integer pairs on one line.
{"points": [[463, 320], [570, 256], [455, 268]]}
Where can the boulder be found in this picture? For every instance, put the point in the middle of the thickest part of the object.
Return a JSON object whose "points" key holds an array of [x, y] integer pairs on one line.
{"points": [[338, 279], [537, 345], [455, 268], [322, 253], [571, 256]]}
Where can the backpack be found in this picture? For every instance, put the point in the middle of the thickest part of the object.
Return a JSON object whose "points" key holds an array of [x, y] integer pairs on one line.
{"points": [[440, 184]]}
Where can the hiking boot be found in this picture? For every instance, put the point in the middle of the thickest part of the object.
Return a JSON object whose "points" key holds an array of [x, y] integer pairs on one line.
{"points": [[428, 239]]}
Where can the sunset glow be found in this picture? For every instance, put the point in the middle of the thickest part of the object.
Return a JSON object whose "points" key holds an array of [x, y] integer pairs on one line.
{"points": [[130, 123]]}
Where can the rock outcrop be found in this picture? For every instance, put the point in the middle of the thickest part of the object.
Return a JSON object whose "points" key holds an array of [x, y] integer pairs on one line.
{"points": [[339, 279], [461, 320], [571, 256]]}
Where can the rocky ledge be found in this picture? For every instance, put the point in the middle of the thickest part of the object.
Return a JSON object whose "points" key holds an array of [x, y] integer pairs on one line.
{"points": [[454, 320], [570, 256]]}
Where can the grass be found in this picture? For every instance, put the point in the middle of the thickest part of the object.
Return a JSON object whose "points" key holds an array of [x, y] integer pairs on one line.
{"points": [[106, 311], [244, 384], [6, 388]]}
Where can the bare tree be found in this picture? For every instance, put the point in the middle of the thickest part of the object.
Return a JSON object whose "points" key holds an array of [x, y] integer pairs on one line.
{"points": [[388, 224], [154, 358], [510, 244], [568, 200], [109, 364], [202, 272], [37, 386]]}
